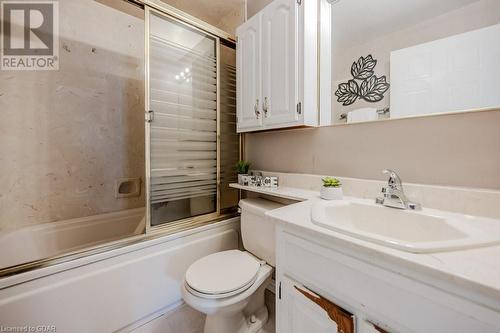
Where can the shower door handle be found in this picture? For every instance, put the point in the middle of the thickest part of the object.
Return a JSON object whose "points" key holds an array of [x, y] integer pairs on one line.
{"points": [[149, 116]]}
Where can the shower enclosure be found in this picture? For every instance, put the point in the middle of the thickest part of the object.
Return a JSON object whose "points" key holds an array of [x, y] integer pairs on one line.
{"points": [[191, 102], [102, 179]]}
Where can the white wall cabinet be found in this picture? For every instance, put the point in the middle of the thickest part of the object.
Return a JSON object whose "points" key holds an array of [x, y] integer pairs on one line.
{"points": [[248, 77], [277, 67], [379, 299], [279, 63]]}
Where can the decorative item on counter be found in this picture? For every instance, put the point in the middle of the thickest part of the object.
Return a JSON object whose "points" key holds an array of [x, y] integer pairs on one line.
{"points": [[254, 178], [271, 182], [242, 168], [331, 189], [258, 180]]}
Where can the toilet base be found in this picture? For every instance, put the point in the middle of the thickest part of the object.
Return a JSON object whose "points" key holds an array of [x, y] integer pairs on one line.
{"points": [[236, 322], [248, 316]]}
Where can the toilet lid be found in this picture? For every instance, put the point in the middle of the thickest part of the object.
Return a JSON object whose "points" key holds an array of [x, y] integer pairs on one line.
{"points": [[222, 272]]}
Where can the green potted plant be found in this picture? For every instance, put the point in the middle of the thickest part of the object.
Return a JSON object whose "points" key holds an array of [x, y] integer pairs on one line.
{"points": [[331, 189], [242, 168]]}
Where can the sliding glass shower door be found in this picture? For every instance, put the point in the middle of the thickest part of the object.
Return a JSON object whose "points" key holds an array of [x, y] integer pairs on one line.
{"points": [[183, 127]]}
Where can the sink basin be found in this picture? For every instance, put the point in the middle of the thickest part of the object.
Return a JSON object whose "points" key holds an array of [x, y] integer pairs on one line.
{"points": [[424, 231]]}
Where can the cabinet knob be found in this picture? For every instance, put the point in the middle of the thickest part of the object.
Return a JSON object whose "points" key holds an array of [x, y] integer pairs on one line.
{"points": [[256, 109], [265, 106]]}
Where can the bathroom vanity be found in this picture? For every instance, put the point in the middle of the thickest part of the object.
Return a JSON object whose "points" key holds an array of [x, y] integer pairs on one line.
{"points": [[328, 282], [439, 272]]}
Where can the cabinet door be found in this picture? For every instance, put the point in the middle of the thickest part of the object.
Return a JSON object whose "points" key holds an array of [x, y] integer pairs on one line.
{"points": [[368, 327], [302, 311], [248, 75], [279, 64]]}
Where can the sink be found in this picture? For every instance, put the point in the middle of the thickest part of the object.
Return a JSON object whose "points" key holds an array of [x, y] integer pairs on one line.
{"points": [[423, 231]]}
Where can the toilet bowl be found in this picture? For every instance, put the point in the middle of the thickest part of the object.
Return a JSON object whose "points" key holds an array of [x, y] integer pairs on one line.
{"points": [[229, 286]]}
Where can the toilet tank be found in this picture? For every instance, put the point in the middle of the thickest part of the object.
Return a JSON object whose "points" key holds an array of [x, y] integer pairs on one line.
{"points": [[258, 230]]}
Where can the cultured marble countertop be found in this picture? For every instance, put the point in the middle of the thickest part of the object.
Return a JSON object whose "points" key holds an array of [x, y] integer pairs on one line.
{"points": [[471, 273], [281, 192]]}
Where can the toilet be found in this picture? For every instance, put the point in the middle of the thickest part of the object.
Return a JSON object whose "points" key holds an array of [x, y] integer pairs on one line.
{"points": [[229, 286]]}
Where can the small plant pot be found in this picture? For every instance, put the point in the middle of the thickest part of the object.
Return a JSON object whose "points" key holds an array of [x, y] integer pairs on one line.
{"points": [[331, 193], [243, 179]]}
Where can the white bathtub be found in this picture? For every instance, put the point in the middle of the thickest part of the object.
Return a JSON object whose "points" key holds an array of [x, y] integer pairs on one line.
{"points": [[115, 291], [52, 239]]}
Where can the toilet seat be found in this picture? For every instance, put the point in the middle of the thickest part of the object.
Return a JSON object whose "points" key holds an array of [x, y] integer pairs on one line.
{"points": [[221, 295], [222, 274]]}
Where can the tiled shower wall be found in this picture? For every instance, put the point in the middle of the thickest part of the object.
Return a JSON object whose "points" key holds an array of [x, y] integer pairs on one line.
{"points": [[67, 135]]}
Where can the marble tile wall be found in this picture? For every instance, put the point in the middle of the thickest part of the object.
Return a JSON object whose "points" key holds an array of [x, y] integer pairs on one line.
{"points": [[67, 135]]}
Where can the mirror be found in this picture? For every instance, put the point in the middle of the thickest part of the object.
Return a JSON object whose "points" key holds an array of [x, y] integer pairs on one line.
{"points": [[395, 59]]}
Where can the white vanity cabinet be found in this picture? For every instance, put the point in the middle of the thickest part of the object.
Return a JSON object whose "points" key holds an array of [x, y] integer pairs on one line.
{"points": [[379, 299], [303, 311], [277, 67]]}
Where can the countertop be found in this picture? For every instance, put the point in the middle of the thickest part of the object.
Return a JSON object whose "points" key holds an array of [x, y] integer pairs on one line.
{"points": [[281, 192], [472, 273]]}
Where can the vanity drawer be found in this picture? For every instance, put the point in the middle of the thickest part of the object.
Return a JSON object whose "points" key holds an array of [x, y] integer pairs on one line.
{"points": [[383, 296]]}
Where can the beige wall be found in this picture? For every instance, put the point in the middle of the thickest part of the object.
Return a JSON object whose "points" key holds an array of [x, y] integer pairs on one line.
{"points": [[66, 135], [254, 6], [456, 150]]}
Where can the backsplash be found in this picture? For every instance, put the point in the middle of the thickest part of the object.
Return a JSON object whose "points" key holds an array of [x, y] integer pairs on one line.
{"points": [[470, 201]]}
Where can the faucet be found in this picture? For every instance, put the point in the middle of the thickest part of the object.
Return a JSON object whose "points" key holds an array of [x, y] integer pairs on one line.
{"points": [[393, 195]]}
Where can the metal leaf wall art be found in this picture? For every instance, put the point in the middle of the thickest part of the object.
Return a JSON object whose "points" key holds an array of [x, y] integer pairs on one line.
{"points": [[365, 84]]}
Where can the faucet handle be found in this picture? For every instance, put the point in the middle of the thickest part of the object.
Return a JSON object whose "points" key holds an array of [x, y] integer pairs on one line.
{"points": [[394, 180], [414, 206]]}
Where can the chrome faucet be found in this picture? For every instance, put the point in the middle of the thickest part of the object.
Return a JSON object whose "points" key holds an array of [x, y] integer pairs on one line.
{"points": [[394, 196]]}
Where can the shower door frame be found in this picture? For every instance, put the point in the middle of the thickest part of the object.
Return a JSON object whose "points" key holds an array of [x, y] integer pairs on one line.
{"points": [[194, 221], [173, 227]]}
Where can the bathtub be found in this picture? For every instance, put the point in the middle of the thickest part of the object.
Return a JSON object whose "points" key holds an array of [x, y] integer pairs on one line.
{"points": [[127, 289], [51, 239]]}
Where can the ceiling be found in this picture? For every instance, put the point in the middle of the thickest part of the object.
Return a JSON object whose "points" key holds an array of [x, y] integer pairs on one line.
{"points": [[223, 14], [358, 21]]}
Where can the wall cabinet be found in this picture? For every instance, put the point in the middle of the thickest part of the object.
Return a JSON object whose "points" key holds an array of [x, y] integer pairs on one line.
{"points": [[277, 67], [248, 74], [322, 289]]}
